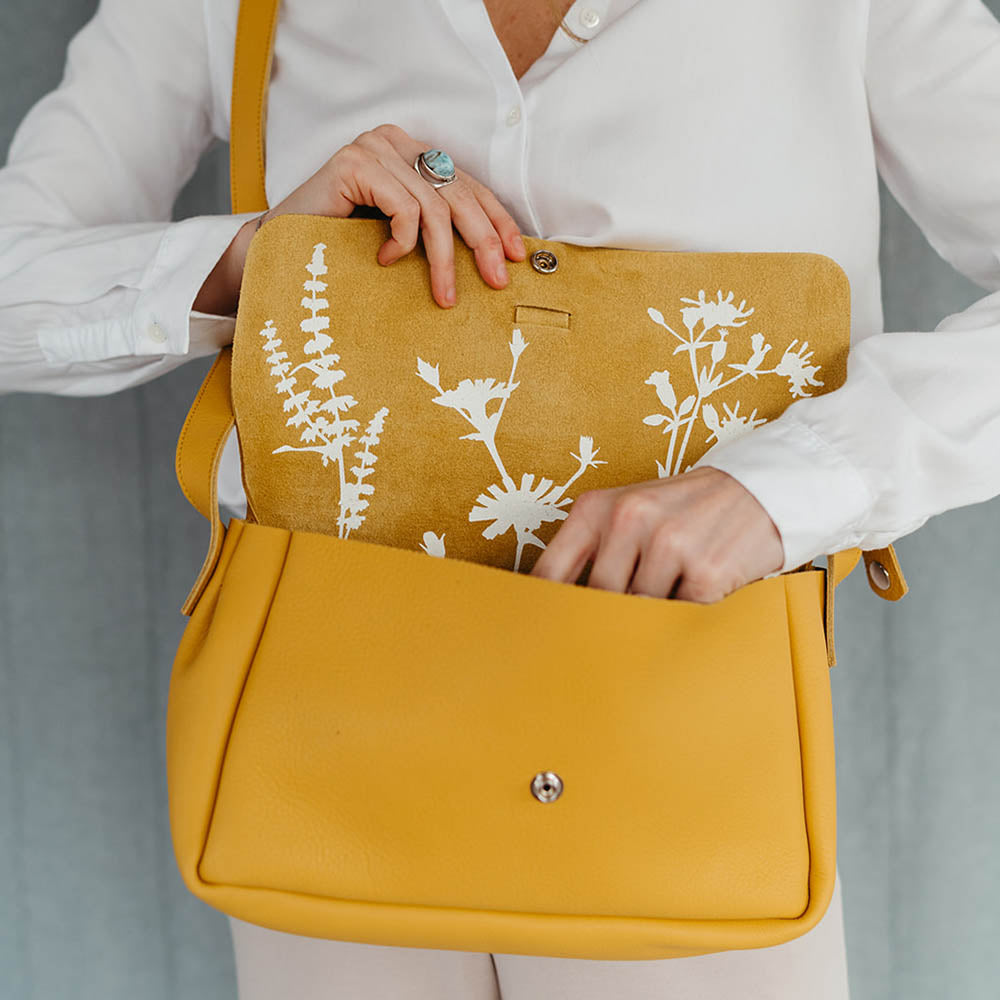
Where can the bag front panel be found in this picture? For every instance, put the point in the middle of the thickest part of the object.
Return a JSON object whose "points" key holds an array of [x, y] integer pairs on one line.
{"points": [[398, 709], [207, 677], [366, 411]]}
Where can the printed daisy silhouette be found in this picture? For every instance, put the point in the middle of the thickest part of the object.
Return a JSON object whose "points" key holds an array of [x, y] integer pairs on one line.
{"points": [[506, 506]]}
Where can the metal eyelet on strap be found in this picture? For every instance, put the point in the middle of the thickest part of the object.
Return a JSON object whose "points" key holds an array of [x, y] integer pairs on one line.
{"points": [[879, 575], [546, 786], [544, 261]]}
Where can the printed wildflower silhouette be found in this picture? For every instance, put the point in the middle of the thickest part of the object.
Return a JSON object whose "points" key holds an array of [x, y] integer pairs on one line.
{"points": [[722, 315], [522, 507], [732, 425], [433, 544], [328, 436]]}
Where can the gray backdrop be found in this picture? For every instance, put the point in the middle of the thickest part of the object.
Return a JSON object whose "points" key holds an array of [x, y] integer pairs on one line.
{"points": [[98, 548]]}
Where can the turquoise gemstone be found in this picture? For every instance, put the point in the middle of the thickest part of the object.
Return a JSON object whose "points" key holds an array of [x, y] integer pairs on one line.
{"points": [[440, 162]]}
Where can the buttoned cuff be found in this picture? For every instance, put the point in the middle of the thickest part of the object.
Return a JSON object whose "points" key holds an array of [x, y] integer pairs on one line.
{"points": [[161, 320], [813, 493]]}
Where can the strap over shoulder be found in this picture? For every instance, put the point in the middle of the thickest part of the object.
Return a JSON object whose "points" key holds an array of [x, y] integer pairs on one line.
{"points": [[255, 28], [199, 448]]}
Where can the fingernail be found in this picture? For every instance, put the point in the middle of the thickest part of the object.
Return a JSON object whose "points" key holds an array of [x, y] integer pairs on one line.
{"points": [[500, 271], [519, 244], [449, 295]]}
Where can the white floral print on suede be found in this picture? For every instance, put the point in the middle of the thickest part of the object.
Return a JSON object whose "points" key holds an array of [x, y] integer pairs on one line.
{"points": [[327, 436], [433, 544], [523, 507], [721, 314]]}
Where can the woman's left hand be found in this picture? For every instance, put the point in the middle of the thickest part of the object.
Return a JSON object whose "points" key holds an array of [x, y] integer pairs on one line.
{"points": [[702, 531]]}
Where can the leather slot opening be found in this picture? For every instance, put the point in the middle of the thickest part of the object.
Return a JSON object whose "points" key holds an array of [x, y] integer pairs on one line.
{"points": [[541, 316]]}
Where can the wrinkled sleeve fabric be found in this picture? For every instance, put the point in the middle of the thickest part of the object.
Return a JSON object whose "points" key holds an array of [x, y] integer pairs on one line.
{"points": [[96, 282], [915, 428]]}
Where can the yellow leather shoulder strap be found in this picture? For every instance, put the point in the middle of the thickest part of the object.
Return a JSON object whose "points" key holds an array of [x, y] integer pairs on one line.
{"points": [[210, 418], [252, 59], [199, 448]]}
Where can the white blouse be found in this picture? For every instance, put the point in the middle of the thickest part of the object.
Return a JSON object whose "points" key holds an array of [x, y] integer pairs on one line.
{"points": [[679, 126]]}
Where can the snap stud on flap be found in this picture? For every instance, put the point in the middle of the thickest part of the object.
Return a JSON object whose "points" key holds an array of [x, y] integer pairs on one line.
{"points": [[546, 786], [544, 261]]}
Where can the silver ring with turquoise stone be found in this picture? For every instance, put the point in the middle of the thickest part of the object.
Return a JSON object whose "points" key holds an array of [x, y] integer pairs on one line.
{"points": [[436, 167]]}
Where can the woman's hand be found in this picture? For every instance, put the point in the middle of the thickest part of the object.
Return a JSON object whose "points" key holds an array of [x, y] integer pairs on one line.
{"points": [[376, 170], [702, 531]]}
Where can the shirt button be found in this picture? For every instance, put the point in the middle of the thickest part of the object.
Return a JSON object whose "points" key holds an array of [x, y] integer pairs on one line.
{"points": [[155, 333], [589, 18], [514, 115]]}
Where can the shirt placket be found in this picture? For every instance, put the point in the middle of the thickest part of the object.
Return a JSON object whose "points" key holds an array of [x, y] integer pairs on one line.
{"points": [[508, 155]]}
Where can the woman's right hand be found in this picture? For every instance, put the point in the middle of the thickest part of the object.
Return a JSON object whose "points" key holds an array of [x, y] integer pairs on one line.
{"points": [[376, 170]]}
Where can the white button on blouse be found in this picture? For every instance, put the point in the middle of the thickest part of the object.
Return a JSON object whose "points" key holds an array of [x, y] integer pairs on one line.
{"points": [[676, 126], [156, 333]]}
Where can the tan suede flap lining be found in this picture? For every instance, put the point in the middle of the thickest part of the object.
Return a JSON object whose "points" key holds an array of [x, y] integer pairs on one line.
{"points": [[367, 411]]}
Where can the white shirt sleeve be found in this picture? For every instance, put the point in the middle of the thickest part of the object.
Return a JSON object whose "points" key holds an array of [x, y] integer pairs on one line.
{"points": [[915, 428], [96, 282]]}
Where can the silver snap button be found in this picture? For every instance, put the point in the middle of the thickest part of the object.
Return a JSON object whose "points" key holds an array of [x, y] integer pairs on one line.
{"points": [[544, 261], [546, 786], [879, 575]]}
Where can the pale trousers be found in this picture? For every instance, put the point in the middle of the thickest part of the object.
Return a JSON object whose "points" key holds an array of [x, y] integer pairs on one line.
{"points": [[271, 965]]}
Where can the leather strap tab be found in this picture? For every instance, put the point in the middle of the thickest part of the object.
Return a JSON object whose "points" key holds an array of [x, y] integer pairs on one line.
{"points": [[838, 567], [885, 576]]}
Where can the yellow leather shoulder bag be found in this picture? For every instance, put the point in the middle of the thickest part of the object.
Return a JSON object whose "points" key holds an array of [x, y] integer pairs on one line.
{"points": [[380, 728]]}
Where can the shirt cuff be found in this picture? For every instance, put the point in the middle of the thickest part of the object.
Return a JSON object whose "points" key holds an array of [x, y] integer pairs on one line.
{"points": [[163, 321], [814, 495]]}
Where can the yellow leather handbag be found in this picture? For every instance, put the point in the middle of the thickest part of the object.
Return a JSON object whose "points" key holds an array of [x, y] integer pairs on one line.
{"points": [[380, 728]]}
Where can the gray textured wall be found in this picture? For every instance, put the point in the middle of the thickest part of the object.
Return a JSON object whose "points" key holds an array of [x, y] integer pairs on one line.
{"points": [[98, 548]]}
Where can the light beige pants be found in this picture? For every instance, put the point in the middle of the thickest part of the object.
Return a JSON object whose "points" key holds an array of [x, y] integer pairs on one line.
{"points": [[271, 965]]}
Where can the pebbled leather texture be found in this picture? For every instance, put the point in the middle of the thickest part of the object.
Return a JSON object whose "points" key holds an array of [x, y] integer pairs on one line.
{"points": [[353, 728]]}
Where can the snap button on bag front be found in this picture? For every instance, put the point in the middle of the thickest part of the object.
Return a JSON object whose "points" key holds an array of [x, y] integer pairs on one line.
{"points": [[544, 261], [546, 786]]}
